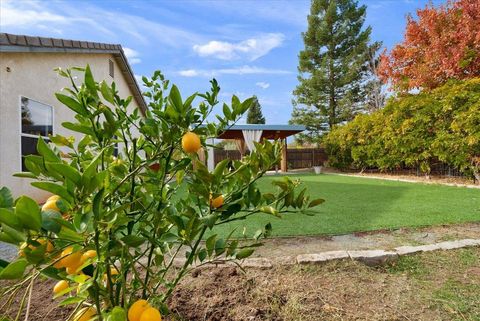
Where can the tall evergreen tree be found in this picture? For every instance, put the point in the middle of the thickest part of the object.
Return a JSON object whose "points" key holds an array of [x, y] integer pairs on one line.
{"points": [[333, 65], [254, 115]]}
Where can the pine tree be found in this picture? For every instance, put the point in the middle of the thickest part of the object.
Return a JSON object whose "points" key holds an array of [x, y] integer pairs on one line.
{"points": [[333, 65], [255, 115]]}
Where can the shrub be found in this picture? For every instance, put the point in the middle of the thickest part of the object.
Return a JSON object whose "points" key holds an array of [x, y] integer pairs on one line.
{"points": [[414, 130], [118, 223]]}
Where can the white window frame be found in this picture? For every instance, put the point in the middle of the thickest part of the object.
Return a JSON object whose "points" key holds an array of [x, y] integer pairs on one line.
{"points": [[21, 134]]}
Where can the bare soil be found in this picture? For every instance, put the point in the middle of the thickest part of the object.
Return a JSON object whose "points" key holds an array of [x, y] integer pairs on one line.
{"points": [[441, 285], [432, 179]]}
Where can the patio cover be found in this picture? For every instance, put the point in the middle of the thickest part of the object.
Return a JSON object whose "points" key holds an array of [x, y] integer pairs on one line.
{"points": [[256, 132], [268, 131]]}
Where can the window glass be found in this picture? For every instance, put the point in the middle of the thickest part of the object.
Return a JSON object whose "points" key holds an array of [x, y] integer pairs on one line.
{"points": [[37, 118]]}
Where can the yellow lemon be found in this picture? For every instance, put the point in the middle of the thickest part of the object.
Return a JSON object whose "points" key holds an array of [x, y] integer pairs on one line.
{"points": [[151, 314], [217, 201], [191, 142], [70, 259], [71, 270], [85, 314], [50, 205], [90, 254], [60, 286], [53, 198], [137, 309]]}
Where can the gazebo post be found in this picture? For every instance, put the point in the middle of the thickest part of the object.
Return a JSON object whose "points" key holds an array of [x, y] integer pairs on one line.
{"points": [[283, 162], [210, 155]]}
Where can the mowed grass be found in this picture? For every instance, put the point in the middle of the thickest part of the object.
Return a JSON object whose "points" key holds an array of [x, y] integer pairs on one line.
{"points": [[354, 204]]}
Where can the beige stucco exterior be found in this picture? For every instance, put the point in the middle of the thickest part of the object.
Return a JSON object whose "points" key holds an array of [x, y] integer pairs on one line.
{"points": [[32, 75]]}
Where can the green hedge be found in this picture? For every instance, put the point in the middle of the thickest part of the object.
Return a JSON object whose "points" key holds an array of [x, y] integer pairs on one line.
{"points": [[414, 130]]}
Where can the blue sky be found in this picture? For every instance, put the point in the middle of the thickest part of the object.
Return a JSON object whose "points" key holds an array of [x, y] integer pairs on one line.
{"points": [[250, 47]]}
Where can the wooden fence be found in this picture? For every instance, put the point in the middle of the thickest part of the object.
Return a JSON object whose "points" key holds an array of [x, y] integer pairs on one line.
{"points": [[305, 157], [296, 158]]}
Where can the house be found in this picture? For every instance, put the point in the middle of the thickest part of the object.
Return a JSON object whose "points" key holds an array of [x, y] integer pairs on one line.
{"points": [[28, 82]]}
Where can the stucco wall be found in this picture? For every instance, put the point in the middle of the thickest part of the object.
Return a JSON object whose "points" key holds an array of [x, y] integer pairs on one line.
{"points": [[32, 75]]}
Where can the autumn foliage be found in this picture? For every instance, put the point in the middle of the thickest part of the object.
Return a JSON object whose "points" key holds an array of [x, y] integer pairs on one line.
{"points": [[443, 43]]}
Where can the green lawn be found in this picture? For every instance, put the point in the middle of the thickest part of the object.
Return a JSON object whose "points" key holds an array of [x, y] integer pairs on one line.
{"points": [[360, 204]]}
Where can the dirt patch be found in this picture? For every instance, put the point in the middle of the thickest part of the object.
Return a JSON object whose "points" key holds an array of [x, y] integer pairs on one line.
{"points": [[442, 285], [432, 179]]}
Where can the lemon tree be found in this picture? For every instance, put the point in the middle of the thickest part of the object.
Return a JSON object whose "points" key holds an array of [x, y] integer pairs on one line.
{"points": [[119, 233]]}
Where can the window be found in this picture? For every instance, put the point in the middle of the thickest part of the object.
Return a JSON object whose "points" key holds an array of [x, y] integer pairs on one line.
{"points": [[111, 69], [37, 120]]}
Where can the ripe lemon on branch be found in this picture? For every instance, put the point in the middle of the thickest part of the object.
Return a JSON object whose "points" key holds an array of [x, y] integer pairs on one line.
{"points": [[142, 311], [217, 201], [60, 286], [191, 142]]}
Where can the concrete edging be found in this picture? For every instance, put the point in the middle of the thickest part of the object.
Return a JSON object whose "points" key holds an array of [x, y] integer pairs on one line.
{"points": [[368, 257]]}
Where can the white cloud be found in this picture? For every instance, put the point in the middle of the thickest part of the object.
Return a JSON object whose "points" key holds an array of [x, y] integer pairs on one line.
{"points": [[132, 55], [188, 73], [243, 70], [11, 16], [250, 49], [263, 85]]}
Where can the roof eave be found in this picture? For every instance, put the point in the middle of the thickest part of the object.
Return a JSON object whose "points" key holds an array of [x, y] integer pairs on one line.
{"points": [[117, 53]]}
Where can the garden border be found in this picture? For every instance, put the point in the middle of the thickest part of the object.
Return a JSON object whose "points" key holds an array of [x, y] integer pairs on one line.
{"points": [[373, 257], [406, 180]]}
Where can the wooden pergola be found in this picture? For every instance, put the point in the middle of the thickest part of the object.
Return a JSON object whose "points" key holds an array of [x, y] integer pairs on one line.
{"points": [[271, 132]]}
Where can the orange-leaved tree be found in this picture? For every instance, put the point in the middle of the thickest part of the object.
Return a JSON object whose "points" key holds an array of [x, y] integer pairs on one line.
{"points": [[443, 44], [117, 224]]}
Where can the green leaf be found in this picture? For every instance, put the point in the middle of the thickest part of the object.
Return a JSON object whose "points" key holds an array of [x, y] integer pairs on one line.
{"points": [[244, 253], [60, 140], [78, 128], [188, 101], [269, 210], [11, 235], [117, 314], [45, 151], [97, 203], [168, 238], [210, 244], [72, 104], [14, 270], [25, 175], [65, 170], [219, 247], [176, 99], [91, 169], [54, 189], [133, 240], [202, 255], [220, 168], [316, 202], [106, 92], [49, 221], [71, 300], [8, 217], [68, 234], [28, 213], [6, 198], [90, 82]]}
